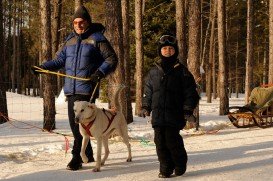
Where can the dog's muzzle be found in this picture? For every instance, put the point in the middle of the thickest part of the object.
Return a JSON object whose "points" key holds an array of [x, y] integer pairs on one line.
{"points": [[77, 120]]}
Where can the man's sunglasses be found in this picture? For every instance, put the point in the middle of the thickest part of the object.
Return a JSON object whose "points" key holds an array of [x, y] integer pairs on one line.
{"points": [[79, 22], [167, 39]]}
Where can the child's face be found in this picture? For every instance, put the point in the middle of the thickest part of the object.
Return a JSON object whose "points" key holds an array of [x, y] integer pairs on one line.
{"points": [[167, 51]]}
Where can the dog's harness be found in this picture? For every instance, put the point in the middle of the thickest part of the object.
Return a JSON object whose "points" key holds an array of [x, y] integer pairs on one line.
{"points": [[110, 120], [87, 128]]}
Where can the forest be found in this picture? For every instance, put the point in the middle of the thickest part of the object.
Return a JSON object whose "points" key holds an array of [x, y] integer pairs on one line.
{"points": [[226, 44]]}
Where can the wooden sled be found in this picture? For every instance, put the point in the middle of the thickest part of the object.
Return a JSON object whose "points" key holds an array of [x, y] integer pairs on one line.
{"points": [[244, 117], [259, 111]]}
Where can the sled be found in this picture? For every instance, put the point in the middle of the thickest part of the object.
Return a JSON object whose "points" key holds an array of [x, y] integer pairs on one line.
{"points": [[258, 112]]}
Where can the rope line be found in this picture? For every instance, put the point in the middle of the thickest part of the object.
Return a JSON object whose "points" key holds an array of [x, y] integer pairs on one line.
{"points": [[72, 77], [59, 74], [9, 120], [142, 140]]}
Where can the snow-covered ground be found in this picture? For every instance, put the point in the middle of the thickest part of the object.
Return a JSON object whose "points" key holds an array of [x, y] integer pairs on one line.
{"points": [[27, 153]]}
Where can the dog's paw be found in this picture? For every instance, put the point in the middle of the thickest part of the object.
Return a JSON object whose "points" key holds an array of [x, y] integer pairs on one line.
{"points": [[84, 158], [96, 170], [129, 160]]}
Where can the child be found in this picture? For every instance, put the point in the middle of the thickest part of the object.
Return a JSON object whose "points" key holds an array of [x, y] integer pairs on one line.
{"points": [[170, 92]]}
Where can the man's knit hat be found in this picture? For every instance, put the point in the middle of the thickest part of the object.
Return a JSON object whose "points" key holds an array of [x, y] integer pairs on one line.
{"points": [[82, 12]]}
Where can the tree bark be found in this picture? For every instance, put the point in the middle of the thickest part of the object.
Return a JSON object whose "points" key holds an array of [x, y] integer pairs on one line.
{"points": [[181, 30], [126, 44], [13, 75], [139, 55], [115, 37], [46, 54], [265, 63], [250, 50], [18, 51], [3, 85], [194, 45], [270, 70], [194, 38], [222, 73], [211, 51], [56, 24]]}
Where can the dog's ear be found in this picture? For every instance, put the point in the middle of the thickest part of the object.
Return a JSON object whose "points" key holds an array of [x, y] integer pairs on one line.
{"points": [[92, 106]]}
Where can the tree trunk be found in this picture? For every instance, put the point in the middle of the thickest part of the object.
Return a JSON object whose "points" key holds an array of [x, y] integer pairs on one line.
{"points": [[115, 36], [3, 85], [194, 44], [56, 24], [139, 55], [18, 52], [211, 52], [181, 30], [214, 79], [127, 67], [48, 96], [270, 70], [194, 38], [13, 75], [222, 73], [265, 63], [249, 57], [237, 83]]}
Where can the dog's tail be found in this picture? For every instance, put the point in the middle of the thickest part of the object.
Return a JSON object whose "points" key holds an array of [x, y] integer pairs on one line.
{"points": [[117, 98]]}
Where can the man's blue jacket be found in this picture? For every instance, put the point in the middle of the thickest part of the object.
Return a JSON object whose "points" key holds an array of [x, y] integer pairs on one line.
{"points": [[82, 55]]}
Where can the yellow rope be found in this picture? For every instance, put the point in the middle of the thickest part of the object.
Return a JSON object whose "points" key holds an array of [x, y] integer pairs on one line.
{"points": [[60, 74]]}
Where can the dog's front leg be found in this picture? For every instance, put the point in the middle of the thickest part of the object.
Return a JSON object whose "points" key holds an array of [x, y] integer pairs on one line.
{"points": [[106, 149], [98, 163], [84, 145]]}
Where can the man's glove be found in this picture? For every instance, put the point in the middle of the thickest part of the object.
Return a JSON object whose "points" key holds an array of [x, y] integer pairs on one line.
{"points": [[188, 115], [95, 77], [35, 69], [144, 113]]}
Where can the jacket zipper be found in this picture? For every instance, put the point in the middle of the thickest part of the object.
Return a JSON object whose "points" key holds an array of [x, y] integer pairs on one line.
{"points": [[76, 62]]}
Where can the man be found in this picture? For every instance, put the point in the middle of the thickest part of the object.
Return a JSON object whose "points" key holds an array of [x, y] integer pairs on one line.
{"points": [[170, 92], [86, 54]]}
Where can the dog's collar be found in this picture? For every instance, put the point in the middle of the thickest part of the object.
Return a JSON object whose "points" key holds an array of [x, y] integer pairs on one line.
{"points": [[91, 117]]}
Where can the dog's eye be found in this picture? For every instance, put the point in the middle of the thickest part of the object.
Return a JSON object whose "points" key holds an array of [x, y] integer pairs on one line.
{"points": [[82, 110]]}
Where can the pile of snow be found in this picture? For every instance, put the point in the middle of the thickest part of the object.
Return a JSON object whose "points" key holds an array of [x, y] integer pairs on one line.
{"points": [[61, 98]]}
